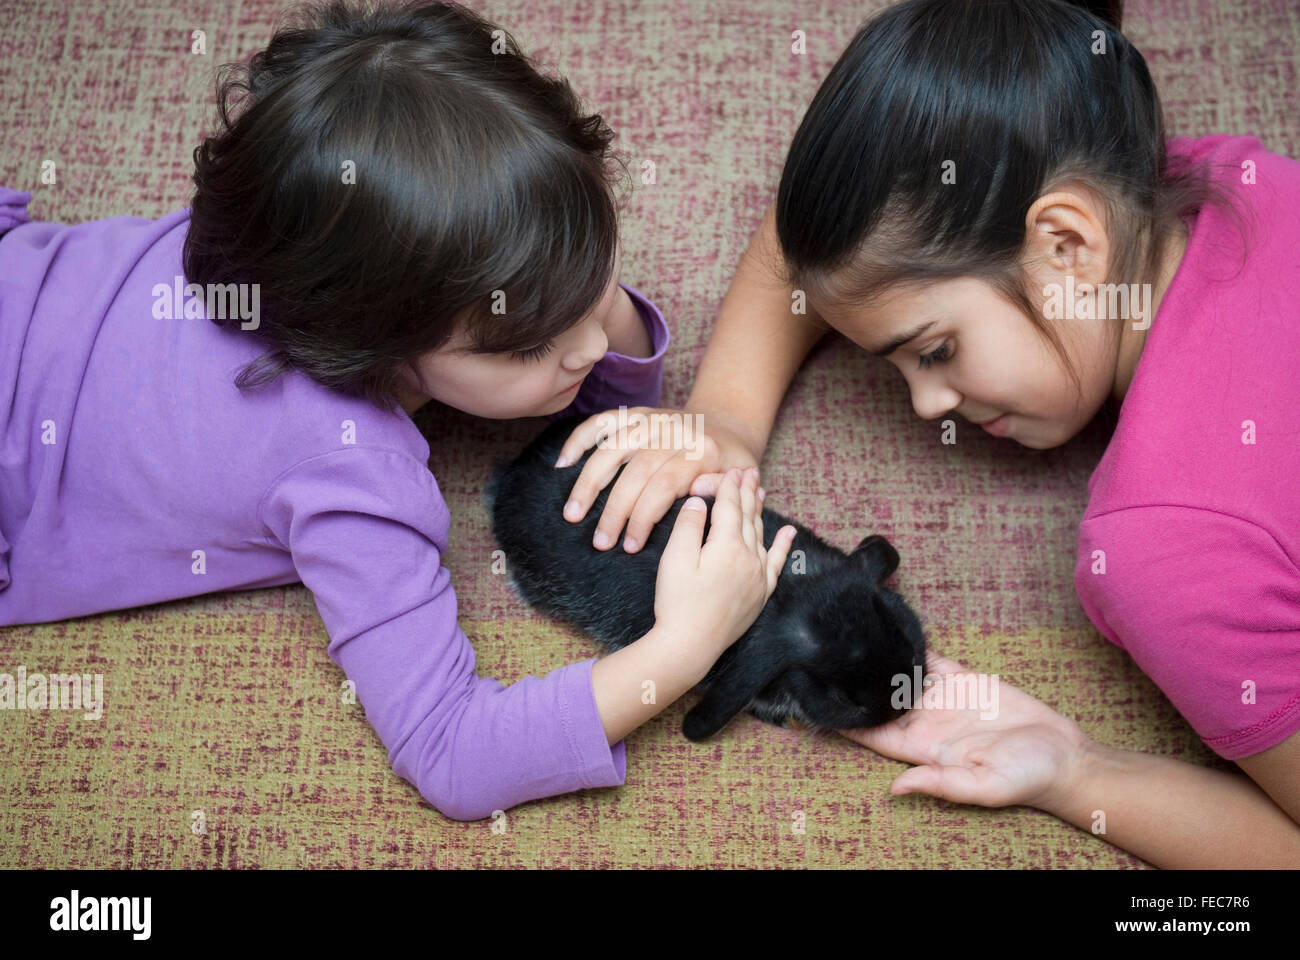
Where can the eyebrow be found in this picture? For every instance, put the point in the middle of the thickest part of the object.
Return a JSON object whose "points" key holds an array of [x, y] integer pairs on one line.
{"points": [[898, 341]]}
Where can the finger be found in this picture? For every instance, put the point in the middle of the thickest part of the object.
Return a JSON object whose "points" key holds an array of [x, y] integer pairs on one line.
{"points": [[725, 522], [638, 469], [688, 530], [706, 484], [777, 555], [936, 662], [759, 495], [593, 478], [890, 739], [922, 779], [586, 434], [614, 448], [672, 480], [955, 783], [748, 501]]}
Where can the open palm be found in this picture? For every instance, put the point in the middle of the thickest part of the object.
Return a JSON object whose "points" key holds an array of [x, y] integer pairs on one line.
{"points": [[1022, 755]]}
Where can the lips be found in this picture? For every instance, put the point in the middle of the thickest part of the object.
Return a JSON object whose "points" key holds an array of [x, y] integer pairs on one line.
{"points": [[997, 426], [575, 386]]}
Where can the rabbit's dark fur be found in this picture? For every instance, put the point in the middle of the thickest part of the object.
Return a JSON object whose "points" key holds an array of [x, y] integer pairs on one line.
{"points": [[824, 650]]}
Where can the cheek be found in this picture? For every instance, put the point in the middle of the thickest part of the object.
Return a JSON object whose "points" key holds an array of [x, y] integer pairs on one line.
{"points": [[469, 383], [1038, 367], [1020, 374], [1007, 374], [521, 389], [517, 386], [1086, 349]]}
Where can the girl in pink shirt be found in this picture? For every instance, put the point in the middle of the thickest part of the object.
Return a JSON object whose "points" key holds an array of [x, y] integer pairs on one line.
{"points": [[983, 193]]}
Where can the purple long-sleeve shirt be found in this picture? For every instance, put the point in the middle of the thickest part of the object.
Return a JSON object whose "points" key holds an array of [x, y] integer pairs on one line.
{"points": [[133, 471]]}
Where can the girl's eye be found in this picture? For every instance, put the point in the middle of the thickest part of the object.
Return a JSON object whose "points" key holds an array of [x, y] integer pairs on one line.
{"points": [[536, 353], [937, 355]]}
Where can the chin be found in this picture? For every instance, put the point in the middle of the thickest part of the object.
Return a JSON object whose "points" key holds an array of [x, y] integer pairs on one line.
{"points": [[1039, 443], [553, 405]]}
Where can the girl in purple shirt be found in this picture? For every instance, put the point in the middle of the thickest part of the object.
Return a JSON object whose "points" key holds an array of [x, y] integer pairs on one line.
{"points": [[397, 207]]}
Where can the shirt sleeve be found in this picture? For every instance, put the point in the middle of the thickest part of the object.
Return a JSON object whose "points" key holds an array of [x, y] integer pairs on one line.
{"points": [[13, 209], [1208, 605], [618, 379], [367, 529]]}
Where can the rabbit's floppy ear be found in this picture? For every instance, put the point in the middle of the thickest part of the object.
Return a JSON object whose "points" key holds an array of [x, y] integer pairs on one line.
{"points": [[750, 670], [877, 556]]}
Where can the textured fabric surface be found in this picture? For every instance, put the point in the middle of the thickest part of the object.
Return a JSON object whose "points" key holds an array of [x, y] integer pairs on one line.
{"points": [[224, 740]]}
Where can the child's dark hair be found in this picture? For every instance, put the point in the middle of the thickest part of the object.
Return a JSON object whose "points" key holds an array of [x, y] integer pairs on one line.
{"points": [[1012, 92], [473, 174]]}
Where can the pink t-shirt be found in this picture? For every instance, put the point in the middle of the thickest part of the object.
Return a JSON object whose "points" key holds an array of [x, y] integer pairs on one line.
{"points": [[1189, 550]]}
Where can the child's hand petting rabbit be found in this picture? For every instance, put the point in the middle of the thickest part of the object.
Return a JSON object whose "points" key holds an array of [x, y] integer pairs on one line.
{"points": [[657, 473], [714, 592], [1028, 754]]}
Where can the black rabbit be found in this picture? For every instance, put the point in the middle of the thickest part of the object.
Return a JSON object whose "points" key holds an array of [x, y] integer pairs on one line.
{"points": [[825, 650]]}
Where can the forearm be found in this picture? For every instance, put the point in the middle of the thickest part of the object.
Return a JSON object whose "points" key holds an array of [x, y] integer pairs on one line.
{"points": [[637, 682], [1177, 815], [757, 345]]}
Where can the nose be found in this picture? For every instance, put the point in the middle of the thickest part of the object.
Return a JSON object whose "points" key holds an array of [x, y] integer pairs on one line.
{"points": [[589, 343], [597, 344], [931, 398]]}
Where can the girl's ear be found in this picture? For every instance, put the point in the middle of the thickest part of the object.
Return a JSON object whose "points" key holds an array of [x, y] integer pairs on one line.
{"points": [[1065, 232], [877, 556]]}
